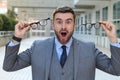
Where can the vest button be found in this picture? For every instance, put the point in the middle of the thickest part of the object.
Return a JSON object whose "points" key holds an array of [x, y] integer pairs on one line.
{"points": [[62, 73]]}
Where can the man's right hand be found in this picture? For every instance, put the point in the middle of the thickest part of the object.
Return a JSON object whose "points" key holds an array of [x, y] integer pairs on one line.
{"points": [[21, 28]]}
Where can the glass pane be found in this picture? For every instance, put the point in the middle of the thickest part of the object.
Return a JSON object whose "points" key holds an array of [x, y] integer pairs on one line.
{"points": [[97, 31], [85, 23], [116, 10], [104, 17], [117, 23], [105, 14]]}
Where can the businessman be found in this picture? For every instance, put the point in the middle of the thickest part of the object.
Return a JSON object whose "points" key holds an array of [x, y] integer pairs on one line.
{"points": [[62, 57]]}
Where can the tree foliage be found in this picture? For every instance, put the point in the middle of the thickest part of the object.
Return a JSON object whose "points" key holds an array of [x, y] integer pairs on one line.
{"points": [[7, 21], [1, 23]]}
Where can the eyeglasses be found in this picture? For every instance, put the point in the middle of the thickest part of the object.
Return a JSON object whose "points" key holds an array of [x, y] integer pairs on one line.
{"points": [[88, 26], [42, 22]]}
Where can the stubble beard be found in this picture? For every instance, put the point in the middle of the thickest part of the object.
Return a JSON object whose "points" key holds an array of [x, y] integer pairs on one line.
{"points": [[63, 41]]}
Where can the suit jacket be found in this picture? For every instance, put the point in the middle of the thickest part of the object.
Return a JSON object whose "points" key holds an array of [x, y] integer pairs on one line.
{"points": [[86, 59]]}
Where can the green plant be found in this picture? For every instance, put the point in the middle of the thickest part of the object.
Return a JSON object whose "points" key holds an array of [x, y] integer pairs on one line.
{"points": [[12, 23], [12, 19], [11, 14], [7, 22], [1, 23]]}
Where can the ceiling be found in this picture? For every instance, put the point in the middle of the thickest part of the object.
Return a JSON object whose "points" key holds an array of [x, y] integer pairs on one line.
{"points": [[83, 5]]}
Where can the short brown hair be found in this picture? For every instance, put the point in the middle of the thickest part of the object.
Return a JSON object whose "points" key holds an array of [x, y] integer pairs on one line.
{"points": [[64, 9]]}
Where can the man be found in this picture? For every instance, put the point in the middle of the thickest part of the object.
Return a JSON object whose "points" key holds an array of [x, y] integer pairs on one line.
{"points": [[63, 57]]}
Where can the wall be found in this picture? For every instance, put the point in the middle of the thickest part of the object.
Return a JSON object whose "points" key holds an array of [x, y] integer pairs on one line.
{"points": [[6, 36]]}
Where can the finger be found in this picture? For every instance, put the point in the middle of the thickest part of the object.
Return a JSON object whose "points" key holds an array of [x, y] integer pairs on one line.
{"points": [[106, 25], [102, 23], [22, 25], [109, 26], [103, 27], [27, 28], [19, 25], [26, 24]]}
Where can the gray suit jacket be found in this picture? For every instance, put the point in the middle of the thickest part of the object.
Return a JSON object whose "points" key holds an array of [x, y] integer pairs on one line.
{"points": [[86, 59]]}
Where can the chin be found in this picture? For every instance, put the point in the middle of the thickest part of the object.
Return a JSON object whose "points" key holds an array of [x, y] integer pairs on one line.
{"points": [[63, 41]]}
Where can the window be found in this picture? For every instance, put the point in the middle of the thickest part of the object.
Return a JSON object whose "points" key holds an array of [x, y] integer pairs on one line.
{"points": [[77, 24], [116, 16], [97, 31], [116, 10], [105, 14], [81, 27], [104, 18], [85, 23], [89, 21]]}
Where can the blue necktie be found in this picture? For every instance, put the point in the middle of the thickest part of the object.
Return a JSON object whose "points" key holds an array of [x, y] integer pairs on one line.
{"points": [[63, 56]]}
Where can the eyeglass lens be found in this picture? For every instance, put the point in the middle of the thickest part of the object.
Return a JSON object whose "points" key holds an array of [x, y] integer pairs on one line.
{"points": [[42, 22]]}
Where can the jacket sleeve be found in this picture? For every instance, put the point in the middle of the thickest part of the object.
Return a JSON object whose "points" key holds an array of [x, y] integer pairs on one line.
{"points": [[110, 65], [14, 61]]}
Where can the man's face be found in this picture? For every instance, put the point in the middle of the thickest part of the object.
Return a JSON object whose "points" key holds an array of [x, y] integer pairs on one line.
{"points": [[63, 25]]}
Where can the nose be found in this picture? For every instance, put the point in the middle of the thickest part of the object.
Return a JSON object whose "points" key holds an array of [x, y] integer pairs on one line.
{"points": [[64, 25]]}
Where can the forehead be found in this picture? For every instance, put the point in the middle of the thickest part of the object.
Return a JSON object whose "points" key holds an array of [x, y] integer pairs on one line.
{"points": [[63, 16]]}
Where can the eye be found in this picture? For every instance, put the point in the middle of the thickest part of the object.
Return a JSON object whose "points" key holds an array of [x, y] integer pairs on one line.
{"points": [[69, 22], [59, 22]]}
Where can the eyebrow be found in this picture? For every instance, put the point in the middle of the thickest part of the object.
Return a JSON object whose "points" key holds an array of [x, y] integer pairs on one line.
{"points": [[61, 19], [58, 19], [70, 19]]}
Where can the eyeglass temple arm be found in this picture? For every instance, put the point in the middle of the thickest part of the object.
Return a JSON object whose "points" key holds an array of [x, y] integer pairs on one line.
{"points": [[34, 23], [47, 19], [38, 21]]}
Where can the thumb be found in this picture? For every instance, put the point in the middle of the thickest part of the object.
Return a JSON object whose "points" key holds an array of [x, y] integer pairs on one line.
{"points": [[27, 29]]}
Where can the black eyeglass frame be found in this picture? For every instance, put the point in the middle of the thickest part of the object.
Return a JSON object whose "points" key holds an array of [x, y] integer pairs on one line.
{"points": [[40, 22], [88, 26]]}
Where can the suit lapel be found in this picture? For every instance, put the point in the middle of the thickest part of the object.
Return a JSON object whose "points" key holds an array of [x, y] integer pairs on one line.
{"points": [[49, 53], [76, 56]]}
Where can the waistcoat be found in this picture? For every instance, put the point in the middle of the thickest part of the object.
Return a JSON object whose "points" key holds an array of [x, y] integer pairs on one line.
{"points": [[59, 73]]}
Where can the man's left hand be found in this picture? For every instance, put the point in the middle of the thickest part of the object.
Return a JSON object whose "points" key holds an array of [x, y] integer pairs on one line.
{"points": [[110, 30]]}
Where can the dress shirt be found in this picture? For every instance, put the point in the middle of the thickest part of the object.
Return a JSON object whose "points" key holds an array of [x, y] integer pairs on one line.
{"points": [[115, 44], [58, 47], [13, 44]]}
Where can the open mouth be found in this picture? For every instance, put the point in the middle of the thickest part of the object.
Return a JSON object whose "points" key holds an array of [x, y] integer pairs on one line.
{"points": [[63, 34]]}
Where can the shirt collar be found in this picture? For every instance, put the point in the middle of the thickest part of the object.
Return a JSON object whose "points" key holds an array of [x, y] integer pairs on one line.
{"points": [[58, 44]]}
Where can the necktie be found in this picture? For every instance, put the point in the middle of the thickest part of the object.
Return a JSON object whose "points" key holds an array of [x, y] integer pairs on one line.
{"points": [[63, 56]]}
